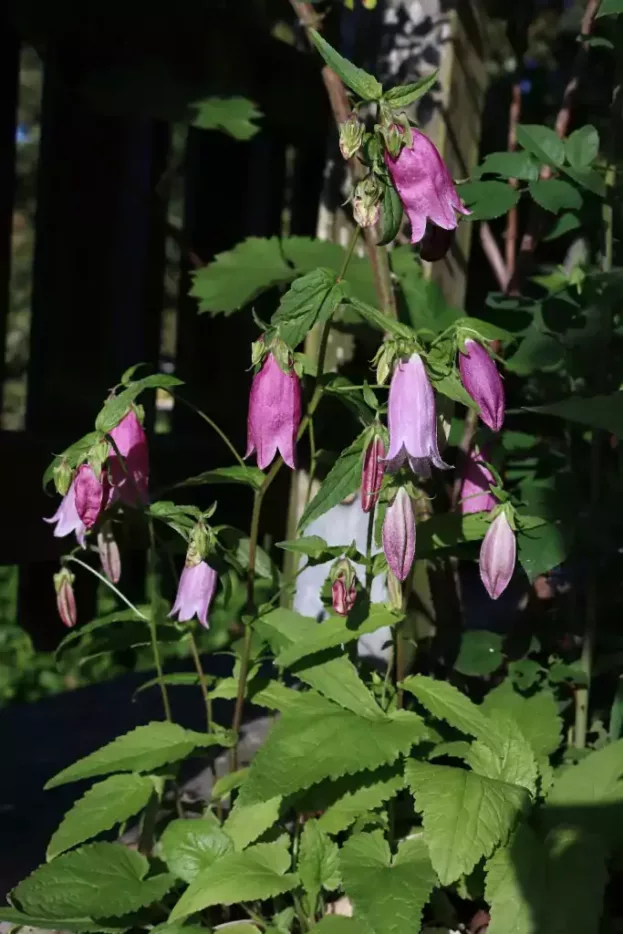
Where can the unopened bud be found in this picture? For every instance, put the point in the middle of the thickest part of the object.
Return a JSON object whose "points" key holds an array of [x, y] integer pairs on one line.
{"points": [[394, 136], [351, 136], [62, 477], [109, 553], [198, 546], [372, 473], [65, 599], [384, 361], [344, 587], [366, 202]]}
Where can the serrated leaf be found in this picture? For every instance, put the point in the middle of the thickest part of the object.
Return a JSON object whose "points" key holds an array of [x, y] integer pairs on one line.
{"points": [[318, 863], [445, 702], [518, 165], [536, 716], [339, 924], [388, 896], [343, 479], [542, 549], [542, 143], [358, 80], [311, 545], [380, 320], [141, 750], [310, 300], [488, 200], [117, 406], [555, 195], [108, 803], [258, 873], [516, 883], [232, 115], [320, 740], [74, 455], [188, 846], [404, 94], [392, 215], [245, 823], [99, 880], [595, 411], [507, 757], [375, 788], [249, 476], [465, 815], [587, 178], [480, 653], [234, 278], [582, 147], [78, 925]]}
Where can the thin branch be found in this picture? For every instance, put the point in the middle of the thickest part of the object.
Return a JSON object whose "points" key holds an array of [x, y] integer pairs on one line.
{"points": [[512, 221], [493, 254]]}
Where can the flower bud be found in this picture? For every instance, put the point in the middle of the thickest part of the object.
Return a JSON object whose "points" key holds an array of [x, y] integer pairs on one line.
{"points": [[384, 359], [91, 494], [482, 381], [399, 535], [351, 136], [343, 587], [62, 474], [366, 202], [65, 598], [372, 473], [274, 414], [498, 554], [394, 137], [110, 556]]}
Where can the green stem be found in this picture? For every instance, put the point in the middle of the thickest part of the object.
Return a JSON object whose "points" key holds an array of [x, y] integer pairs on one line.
{"points": [[153, 599], [349, 252], [194, 651], [312, 463], [212, 425], [108, 583]]}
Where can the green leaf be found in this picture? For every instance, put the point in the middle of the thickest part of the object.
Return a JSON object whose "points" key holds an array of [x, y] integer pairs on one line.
{"points": [[507, 756], [582, 147], [542, 549], [108, 803], [320, 740], [519, 165], [250, 476], [555, 195], [563, 225], [392, 215], [339, 924], [595, 411], [311, 545], [235, 278], [311, 299], [484, 329], [404, 94], [74, 455], [258, 873], [318, 863], [388, 895], [536, 716], [488, 200], [445, 530], [516, 884], [576, 881], [542, 143], [117, 406], [480, 653], [99, 880], [245, 823], [587, 178], [79, 925], [380, 320], [358, 80], [343, 479], [465, 815], [190, 846], [227, 783], [609, 8], [232, 115], [445, 702], [452, 387], [141, 750], [375, 788]]}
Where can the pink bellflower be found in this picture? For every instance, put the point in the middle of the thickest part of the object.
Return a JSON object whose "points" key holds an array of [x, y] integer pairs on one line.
{"points": [[498, 554], [92, 494], [130, 480], [399, 535], [476, 495], [482, 381], [195, 593], [412, 419], [66, 518], [274, 414]]}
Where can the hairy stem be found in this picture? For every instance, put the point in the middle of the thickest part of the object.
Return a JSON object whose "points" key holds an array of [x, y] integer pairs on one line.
{"points": [[203, 684]]}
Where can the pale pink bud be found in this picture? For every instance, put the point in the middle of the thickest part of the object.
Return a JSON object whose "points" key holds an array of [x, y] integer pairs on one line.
{"points": [[372, 473], [130, 484], [274, 414], [476, 495], [91, 494], [498, 554], [343, 597], [399, 535], [65, 598], [110, 556], [482, 381], [412, 419], [425, 186], [195, 592], [66, 518]]}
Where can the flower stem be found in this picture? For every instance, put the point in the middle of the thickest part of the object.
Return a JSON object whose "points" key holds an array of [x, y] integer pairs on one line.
{"points": [[212, 424], [153, 599], [194, 651], [108, 583]]}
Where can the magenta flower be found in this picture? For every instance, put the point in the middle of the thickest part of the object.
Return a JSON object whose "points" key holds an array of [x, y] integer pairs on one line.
{"points": [[194, 593], [425, 186], [399, 535], [372, 473], [130, 485], [476, 495], [498, 554], [91, 494], [482, 381], [66, 517], [274, 414], [412, 419]]}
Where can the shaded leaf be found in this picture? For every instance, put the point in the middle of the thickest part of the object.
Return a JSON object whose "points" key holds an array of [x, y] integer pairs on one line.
{"points": [[488, 200], [537, 716], [583, 146], [555, 195], [190, 846], [233, 115], [519, 165], [358, 80], [542, 142], [480, 653], [318, 864]]}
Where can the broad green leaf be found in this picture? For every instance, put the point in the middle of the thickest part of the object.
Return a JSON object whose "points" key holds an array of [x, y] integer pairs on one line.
{"points": [[343, 479], [318, 863], [258, 873], [516, 884], [101, 880], [484, 329], [536, 716], [358, 80], [117, 406], [236, 277], [245, 823], [466, 816], [452, 387], [487, 200], [19, 919], [404, 94], [426, 304], [306, 254], [445, 530], [576, 880], [320, 740], [519, 165], [610, 8], [232, 115], [392, 215], [588, 178], [542, 143], [108, 803], [311, 299], [508, 756], [227, 783], [249, 476], [75, 454], [563, 225], [311, 545], [543, 548], [380, 320], [339, 924], [188, 846], [480, 653], [582, 146], [604, 412], [142, 750], [445, 702], [555, 195], [388, 895], [275, 696], [376, 788]]}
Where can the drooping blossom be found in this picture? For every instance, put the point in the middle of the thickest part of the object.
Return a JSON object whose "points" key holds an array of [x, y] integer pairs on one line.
{"points": [[399, 535], [476, 495], [412, 419], [195, 592], [130, 483], [65, 597], [482, 381], [372, 473], [425, 186], [92, 494], [66, 517], [274, 414], [498, 554]]}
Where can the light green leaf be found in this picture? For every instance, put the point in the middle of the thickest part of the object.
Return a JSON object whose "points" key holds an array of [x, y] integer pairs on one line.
{"points": [[245, 823], [583, 146], [108, 803], [555, 195], [542, 143], [536, 716], [74, 455], [258, 873], [376, 788], [604, 412], [234, 278], [519, 165], [516, 883], [465, 815], [101, 880], [451, 386], [117, 406], [609, 8], [275, 696], [380, 320], [480, 653], [484, 329], [141, 750], [311, 299], [78, 925], [249, 476], [343, 479], [388, 896], [358, 80], [507, 757], [318, 863], [404, 94], [339, 924], [576, 882], [487, 200], [312, 545], [232, 115], [189, 846], [563, 225], [445, 702], [542, 549]]}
